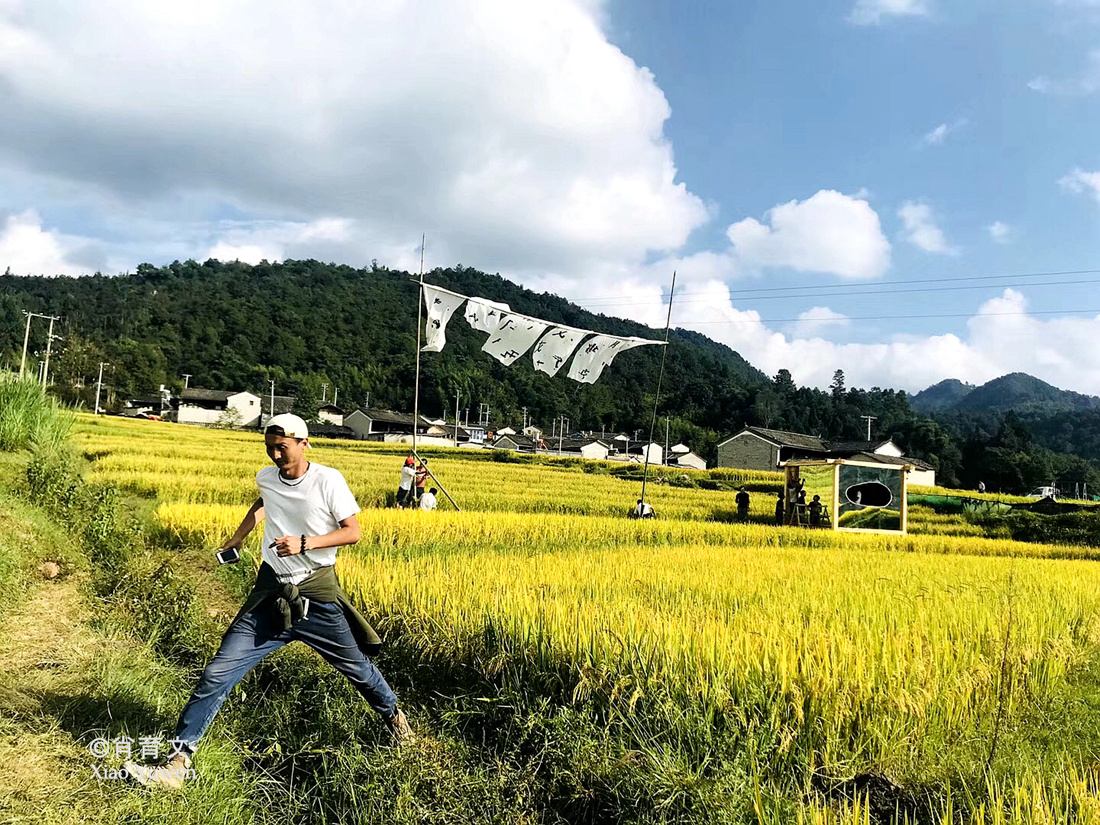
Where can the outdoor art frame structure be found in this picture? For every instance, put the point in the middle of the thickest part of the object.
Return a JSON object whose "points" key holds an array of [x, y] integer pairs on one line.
{"points": [[856, 496]]}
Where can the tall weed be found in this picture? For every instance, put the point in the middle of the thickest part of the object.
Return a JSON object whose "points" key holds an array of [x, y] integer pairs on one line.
{"points": [[29, 417]]}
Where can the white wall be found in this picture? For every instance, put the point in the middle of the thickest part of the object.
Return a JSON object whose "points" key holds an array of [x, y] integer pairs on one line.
{"points": [[889, 448], [596, 451], [248, 405], [925, 478], [691, 460], [197, 415]]}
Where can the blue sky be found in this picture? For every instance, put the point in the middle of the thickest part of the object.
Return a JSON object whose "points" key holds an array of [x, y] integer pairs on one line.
{"points": [[774, 101], [808, 169]]}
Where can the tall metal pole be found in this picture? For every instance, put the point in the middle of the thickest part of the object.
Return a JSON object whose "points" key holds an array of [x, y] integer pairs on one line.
{"points": [[335, 393], [26, 338], [49, 346], [99, 386], [419, 321], [660, 376], [271, 409]]}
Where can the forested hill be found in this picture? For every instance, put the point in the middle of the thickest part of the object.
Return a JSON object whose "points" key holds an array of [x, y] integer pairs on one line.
{"points": [[1016, 391], [305, 323]]}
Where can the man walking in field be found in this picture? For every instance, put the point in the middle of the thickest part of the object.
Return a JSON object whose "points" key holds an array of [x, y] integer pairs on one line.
{"points": [[308, 512], [742, 500]]}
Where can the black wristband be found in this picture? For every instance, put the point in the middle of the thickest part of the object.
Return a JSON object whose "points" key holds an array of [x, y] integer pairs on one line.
{"points": [[303, 542]]}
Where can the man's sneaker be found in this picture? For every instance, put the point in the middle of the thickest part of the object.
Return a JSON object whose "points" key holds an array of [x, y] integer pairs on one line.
{"points": [[171, 775], [400, 728]]}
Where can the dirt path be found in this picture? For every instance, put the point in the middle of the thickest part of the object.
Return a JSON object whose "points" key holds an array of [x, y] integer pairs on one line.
{"points": [[46, 653]]}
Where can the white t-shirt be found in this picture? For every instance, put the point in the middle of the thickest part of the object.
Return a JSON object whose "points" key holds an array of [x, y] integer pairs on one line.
{"points": [[427, 502], [314, 504], [407, 476]]}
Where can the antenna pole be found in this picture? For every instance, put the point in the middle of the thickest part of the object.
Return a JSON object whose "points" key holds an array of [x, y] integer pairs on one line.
{"points": [[660, 377], [419, 321]]}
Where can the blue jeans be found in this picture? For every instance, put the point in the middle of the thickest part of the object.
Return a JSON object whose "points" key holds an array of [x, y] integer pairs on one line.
{"points": [[325, 630]]}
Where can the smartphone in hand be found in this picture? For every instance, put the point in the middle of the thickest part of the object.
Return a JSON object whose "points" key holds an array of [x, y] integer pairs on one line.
{"points": [[230, 555]]}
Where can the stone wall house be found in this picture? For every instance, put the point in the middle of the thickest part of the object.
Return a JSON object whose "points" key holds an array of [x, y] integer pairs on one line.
{"points": [[758, 448]]}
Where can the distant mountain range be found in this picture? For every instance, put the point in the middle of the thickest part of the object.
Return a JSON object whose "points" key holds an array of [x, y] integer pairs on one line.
{"points": [[1016, 391]]}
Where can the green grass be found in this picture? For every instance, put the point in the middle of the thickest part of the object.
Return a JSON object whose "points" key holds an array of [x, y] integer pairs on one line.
{"points": [[29, 417]]}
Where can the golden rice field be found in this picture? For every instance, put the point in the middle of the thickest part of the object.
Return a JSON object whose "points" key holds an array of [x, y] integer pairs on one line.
{"points": [[807, 652]]}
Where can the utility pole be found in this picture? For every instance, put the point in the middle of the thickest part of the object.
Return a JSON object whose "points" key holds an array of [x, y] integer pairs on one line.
{"points": [[186, 379], [666, 441], [561, 434], [271, 409], [99, 384], [456, 419], [49, 346], [26, 338], [335, 392], [27, 335], [525, 418], [483, 414], [869, 419], [367, 405], [324, 393]]}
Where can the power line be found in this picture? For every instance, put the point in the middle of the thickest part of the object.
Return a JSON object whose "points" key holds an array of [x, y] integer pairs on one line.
{"points": [[606, 300], [902, 317], [921, 290]]}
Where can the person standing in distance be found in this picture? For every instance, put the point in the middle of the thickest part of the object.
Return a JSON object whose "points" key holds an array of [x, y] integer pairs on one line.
{"points": [[405, 486], [742, 500], [421, 479], [308, 512]]}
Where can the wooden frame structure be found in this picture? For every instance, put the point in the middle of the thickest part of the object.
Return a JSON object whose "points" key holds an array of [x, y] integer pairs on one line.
{"points": [[792, 470]]}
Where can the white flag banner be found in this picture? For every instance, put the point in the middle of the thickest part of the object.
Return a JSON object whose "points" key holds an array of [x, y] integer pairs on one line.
{"points": [[513, 336], [555, 347], [596, 353], [483, 315], [441, 305]]}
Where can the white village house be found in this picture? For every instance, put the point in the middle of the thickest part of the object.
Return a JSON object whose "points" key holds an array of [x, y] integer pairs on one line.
{"points": [[207, 407]]}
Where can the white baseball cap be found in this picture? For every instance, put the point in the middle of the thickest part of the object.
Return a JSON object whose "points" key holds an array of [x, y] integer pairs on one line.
{"points": [[291, 425]]}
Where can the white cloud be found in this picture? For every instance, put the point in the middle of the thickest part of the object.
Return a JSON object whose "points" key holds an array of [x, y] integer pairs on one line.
{"points": [[516, 135], [921, 229], [1000, 232], [1087, 82], [872, 12], [1078, 181], [28, 249], [817, 320], [1001, 337], [829, 232], [937, 136]]}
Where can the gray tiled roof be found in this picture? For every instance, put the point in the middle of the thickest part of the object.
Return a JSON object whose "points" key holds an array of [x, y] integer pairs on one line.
{"points": [[787, 439], [197, 394]]}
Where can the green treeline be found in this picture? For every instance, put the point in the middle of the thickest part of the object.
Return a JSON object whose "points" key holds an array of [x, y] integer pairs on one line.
{"points": [[304, 324]]}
